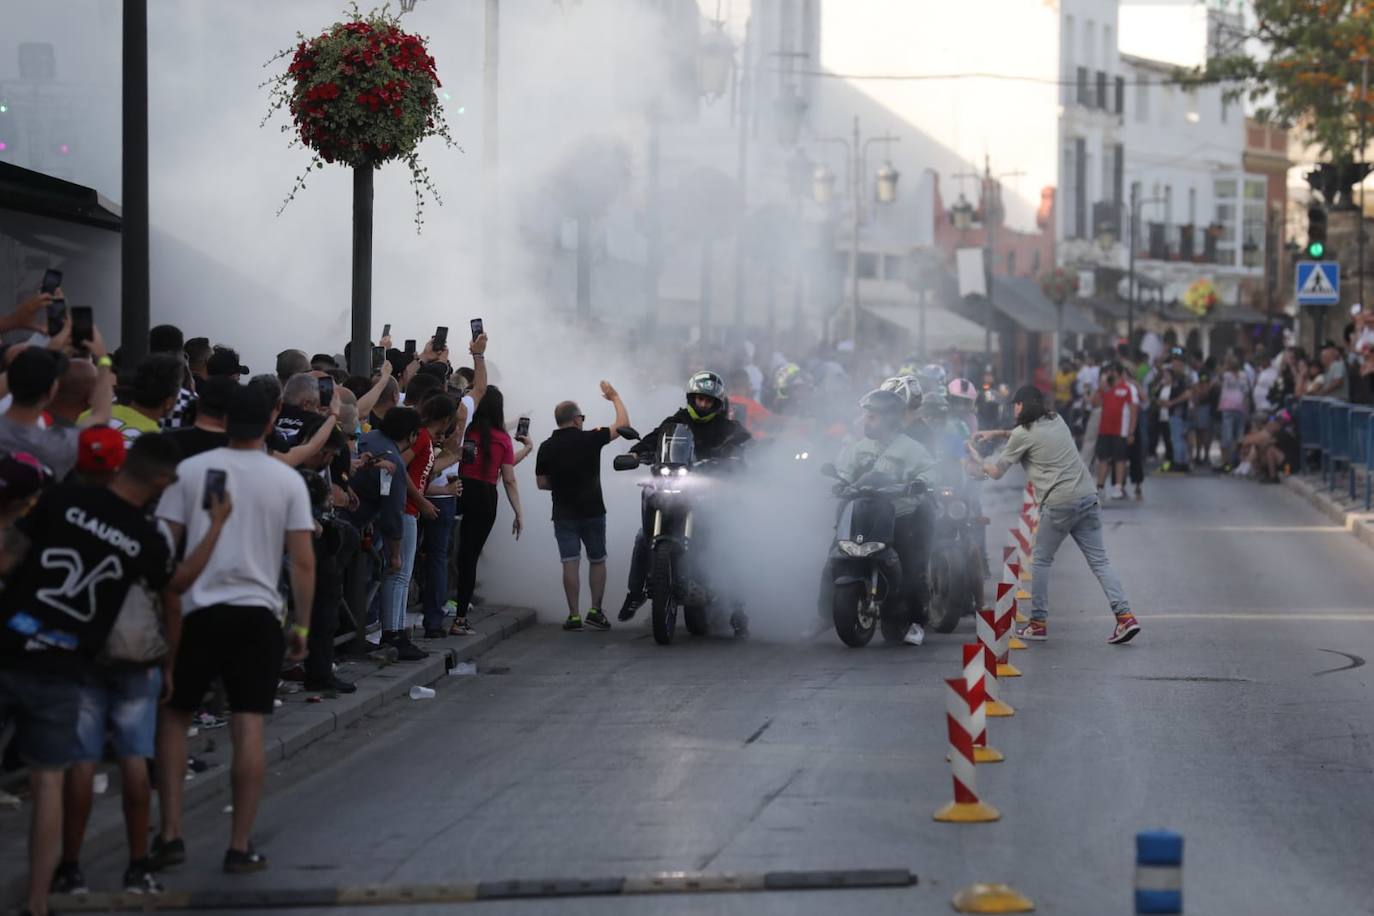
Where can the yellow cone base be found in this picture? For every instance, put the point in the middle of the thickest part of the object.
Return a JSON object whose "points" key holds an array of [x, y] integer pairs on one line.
{"points": [[975, 813], [992, 898], [1004, 670], [996, 709], [1022, 595], [1025, 575], [1021, 618], [1016, 644], [987, 755]]}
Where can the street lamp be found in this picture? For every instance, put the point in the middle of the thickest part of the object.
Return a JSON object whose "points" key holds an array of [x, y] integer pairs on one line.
{"points": [[823, 185], [885, 184], [961, 214], [1135, 205], [715, 62]]}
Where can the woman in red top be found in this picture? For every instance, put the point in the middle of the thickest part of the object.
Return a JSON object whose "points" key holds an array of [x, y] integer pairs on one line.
{"points": [[496, 459]]}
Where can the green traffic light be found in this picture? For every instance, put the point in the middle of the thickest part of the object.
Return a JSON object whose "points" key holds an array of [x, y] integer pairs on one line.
{"points": [[1316, 249]]}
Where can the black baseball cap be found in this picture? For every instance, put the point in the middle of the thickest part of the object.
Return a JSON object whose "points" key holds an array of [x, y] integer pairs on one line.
{"points": [[248, 414], [225, 361]]}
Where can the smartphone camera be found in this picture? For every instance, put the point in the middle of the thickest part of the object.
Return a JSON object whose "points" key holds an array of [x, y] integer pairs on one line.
{"points": [[476, 326], [522, 429]]}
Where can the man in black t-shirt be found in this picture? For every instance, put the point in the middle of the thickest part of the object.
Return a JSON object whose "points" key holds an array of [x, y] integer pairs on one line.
{"points": [[569, 466], [207, 432], [88, 547]]}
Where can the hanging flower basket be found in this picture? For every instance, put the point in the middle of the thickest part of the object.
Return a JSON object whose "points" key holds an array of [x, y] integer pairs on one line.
{"points": [[361, 93], [1200, 298], [1059, 285]]}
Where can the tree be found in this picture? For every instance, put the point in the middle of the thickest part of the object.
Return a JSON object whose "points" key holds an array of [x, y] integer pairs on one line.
{"points": [[1308, 72]]}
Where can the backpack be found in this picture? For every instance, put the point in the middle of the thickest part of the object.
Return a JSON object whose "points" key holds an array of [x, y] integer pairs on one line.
{"points": [[137, 636]]}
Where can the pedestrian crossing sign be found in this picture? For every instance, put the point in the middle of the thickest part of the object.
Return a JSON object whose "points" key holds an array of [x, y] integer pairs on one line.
{"points": [[1319, 282]]}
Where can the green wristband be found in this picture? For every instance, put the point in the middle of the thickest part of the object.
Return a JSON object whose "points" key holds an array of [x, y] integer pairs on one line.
{"points": [[299, 630]]}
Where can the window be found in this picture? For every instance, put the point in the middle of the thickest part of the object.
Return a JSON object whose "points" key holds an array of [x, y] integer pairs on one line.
{"points": [[868, 265], [1192, 206], [1142, 99], [1252, 228], [1066, 46], [892, 267], [1011, 263], [1225, 108], [1168, 203], [1225, 218], [1107, 46], [1080, 188], [1166, 105], [1089, 43], [1035, 262]]}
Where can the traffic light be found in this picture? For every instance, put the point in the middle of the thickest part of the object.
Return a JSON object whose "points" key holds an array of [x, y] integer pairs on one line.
{"points": [[1316, 231]]}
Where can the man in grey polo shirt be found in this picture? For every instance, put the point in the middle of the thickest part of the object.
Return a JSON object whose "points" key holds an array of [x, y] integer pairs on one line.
{"points": [[1069, 507]]}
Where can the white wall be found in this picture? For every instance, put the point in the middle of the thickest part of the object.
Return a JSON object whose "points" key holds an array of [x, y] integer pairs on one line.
{"points": [[1174, 31], [948, 125]]}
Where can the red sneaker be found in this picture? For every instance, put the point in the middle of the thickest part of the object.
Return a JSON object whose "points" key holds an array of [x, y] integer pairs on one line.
{"points": [[1033, 630], [1126, 629]]}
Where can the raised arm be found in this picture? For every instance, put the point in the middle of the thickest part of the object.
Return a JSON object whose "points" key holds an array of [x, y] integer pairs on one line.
{"points": [[374, 394], [622, 415], [102, 398], [189, 570], [479, 369]]}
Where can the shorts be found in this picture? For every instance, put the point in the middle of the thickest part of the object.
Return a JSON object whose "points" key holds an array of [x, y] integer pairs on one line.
{"points": [[120, 702], [573, 533], [1201, 418], [1111, 448], [242, 645], [44, 709]]}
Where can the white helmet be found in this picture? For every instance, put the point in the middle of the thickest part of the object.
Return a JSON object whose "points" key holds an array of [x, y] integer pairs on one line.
{"points": [[907, 387]]}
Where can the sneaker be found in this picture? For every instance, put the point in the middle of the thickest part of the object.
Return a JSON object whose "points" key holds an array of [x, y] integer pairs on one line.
{"points": [[1126, 629], [207, 720], [915, 635], [68, 879], [574, 622], [1033, 630], [166, 853], [633, 602], [238, 862], [1139, 493], [407, 651], [335, 684], [450, 607], [139, 878], [597, 620], [1119, 492], [465, 627]]}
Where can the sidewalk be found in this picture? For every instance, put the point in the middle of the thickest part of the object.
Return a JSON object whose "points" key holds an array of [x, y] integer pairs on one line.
{"points": [[297, 724], [1336, 505]]}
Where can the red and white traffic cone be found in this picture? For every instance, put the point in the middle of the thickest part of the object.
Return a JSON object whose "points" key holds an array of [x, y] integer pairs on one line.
{"points": [[987, 638], [1025, 542], [975, 679], [1001, 628], [1010, 571], [966, 807]]}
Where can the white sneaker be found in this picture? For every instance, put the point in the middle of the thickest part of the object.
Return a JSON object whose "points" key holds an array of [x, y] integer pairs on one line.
{"points": [[1243, 470], [1118, 492], [915, 636]]}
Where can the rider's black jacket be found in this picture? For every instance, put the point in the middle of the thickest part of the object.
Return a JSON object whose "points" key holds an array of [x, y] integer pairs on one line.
{"points": [[714, 438]]}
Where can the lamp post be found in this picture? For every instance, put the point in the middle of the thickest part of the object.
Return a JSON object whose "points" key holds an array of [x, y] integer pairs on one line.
{"points": [[1135, 205], [991, 202], [885, 192]]}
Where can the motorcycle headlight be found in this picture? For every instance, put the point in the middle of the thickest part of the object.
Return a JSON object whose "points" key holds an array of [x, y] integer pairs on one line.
{"points": [[956, 509], [664, 472], [853, 549], [682, 472]]}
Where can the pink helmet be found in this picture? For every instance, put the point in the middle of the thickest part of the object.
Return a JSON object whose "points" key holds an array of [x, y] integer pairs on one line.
{"points": [[963, 388]]}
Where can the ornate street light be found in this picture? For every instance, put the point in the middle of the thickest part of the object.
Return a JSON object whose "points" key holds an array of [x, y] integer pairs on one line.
{"points": [[715, 62], [823, 184], [790, 109], [885, 183], [961, 214]]}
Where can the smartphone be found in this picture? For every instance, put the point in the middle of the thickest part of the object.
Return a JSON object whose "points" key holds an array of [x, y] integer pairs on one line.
{"points": [[476, 325], [52, 279], [440, 339], [522, 429], [215, 479], [386, 330], [326, 391], [410, 346], [57, 316], [83, 324], [378, 357]]}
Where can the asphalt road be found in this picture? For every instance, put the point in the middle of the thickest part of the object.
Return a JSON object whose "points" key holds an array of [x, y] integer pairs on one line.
{"points": [[590, 755]]}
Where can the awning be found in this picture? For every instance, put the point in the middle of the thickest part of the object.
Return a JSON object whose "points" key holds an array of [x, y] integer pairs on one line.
{"points": [[944, 329], [26, 191], [1020, 299]]}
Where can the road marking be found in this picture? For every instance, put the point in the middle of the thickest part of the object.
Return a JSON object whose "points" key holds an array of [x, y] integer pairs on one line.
{"points": [[1277, 614], [1355, 662]]}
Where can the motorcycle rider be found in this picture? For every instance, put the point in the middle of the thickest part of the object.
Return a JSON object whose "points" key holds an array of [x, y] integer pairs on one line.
{"points": [[714, 435], [908, 388], [963, 399], [887, 450]]}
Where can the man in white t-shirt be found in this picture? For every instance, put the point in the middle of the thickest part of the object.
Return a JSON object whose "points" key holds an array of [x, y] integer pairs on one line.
{"points": [[233, 614]]}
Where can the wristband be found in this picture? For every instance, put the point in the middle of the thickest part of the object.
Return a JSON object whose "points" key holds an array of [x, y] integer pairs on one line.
{"points": [[477, 355], [299, 630], [104, 362]]}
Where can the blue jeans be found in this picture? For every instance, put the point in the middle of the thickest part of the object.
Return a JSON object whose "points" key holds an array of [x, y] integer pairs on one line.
{"points": [[396, 585], [1232, 430], [1081, 520], [1178, 434], [437, 532]]}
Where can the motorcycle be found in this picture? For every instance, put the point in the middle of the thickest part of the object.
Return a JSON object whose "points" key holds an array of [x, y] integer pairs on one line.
{"points": [[864, 564], [956, 560], [675, 581]]}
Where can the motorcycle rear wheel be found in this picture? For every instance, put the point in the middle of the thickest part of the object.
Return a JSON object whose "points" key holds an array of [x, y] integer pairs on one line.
{"points": [[661, 593], [947, 595], [844, 609], [696, 619]]}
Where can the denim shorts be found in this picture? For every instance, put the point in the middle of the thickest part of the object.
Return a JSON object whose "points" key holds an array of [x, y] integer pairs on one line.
{"points": [[573, 533], [44, 709], [122, 703], [1201, 418]]}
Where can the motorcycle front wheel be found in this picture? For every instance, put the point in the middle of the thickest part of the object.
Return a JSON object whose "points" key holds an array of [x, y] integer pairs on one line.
{"points": [[661, 593], [696, 619], [854, 629]]}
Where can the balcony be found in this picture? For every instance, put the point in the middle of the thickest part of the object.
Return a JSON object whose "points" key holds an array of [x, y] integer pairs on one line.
{"points": [[1183, 243]]}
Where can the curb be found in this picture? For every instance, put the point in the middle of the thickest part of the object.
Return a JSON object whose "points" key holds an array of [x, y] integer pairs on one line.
{"points": [[1358, 523], [294, 726]]}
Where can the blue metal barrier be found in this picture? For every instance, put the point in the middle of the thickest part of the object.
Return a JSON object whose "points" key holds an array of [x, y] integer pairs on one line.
{"points": [[1337, 439], [1309, 431], [1324, 438], [1359, 443]]}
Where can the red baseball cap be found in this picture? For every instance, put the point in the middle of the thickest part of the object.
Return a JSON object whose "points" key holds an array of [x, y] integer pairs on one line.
{"points": [[99, 449]]}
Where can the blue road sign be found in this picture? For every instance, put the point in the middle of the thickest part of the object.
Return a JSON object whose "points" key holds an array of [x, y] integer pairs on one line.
{"points": [[1319, 282]]}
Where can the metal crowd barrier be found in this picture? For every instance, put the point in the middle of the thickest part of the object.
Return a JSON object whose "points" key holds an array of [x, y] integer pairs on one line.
{"points": [[1310, 432], [1337, 415], [1362, 451]]}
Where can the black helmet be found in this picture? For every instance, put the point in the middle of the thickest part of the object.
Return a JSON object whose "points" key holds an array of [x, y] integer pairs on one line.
{"points": [[883, 402], [705, 384]]}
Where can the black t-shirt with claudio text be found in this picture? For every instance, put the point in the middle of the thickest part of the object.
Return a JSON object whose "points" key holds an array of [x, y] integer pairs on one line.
{"points": [[87, 548], [571, 459], [193, 441]]}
